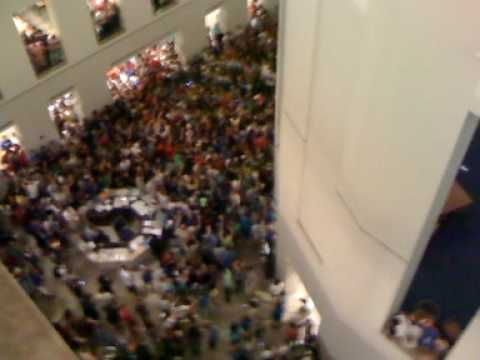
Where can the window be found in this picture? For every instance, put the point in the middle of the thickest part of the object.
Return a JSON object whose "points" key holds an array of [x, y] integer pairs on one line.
{"points": [[161, 4], [106, 18], [12, 154], [214, 22], [65, 112], [160, 59], [39, 36]]}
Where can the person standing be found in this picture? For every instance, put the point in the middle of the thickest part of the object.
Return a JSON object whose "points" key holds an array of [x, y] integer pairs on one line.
{"points": [[112, 312], [228, 284], [143, 312], [127, 279], [213, 336], [127, 318], [195, 340], [105, 284], [278, 310], [239, 276], [89, 308]]}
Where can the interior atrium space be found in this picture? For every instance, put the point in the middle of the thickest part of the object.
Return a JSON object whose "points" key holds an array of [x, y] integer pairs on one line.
{"points": [[239, 180]]}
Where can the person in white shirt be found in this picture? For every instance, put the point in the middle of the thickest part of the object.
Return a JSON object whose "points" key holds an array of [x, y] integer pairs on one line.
{"points": [[277, 288], [267, 354], [71, 217], [155, 182], [32, 189], [127, 278], [125, 164], [135, 149]]}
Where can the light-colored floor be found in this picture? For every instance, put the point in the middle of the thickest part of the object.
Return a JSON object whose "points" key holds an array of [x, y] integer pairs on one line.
{"points": [[222, 313]]}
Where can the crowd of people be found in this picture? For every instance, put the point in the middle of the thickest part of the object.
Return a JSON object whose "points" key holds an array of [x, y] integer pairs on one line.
{"points": [[63, 112], [106, 17], [420, 331], [161, 59], [13, 155], [200, 141], [44, 49]]}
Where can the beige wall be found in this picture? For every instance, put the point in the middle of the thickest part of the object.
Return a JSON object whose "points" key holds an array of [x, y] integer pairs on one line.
{"points": [[372, 105]]}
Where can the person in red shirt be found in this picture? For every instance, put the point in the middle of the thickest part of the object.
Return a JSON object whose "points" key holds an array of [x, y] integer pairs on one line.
{"points": [[22, 159], [261, 142], [104, 139], [253, 8], [169, 150], [291, 332], [128, 318], [19, 214]]}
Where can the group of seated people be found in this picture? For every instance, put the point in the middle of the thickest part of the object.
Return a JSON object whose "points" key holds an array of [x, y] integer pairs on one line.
{"points": [[420, 330], [162, 60], [201, 143], [66, 122], [44, 50], [64, 114], [14, 157], [106, 15]]}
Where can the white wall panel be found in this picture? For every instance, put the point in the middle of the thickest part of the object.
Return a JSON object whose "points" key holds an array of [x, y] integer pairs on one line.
{"points": [[16, 73], [236, 14], [388, 105], [342, 38], [298, 56], [136, 14], [355, 280], [408, 116], [289, 170]]}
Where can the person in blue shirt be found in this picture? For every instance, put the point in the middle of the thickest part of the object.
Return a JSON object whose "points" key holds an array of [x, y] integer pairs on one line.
{"points": [[235, 333], [213, 336], [278, 310]]}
